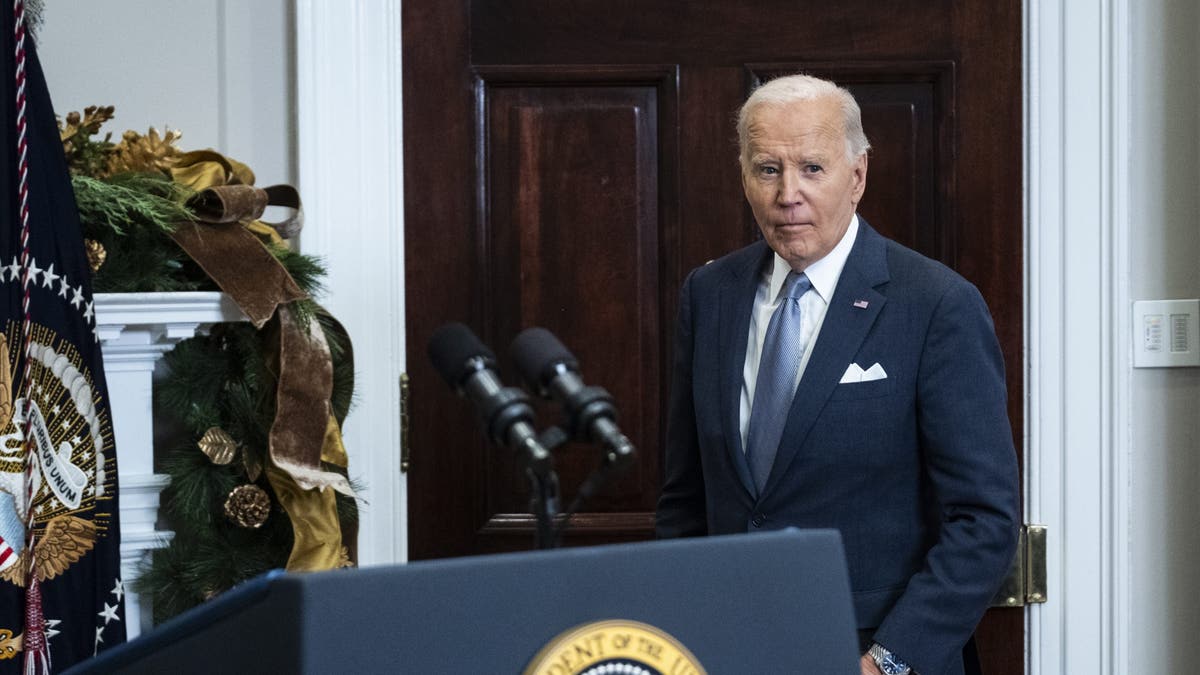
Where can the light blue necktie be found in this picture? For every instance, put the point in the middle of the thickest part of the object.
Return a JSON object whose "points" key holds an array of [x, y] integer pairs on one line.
{"points": [[776, 381]]}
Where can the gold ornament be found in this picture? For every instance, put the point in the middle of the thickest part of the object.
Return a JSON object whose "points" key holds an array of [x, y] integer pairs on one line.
{"points": [[96, 254], [149, 153], [248, 506], [218, 445]]}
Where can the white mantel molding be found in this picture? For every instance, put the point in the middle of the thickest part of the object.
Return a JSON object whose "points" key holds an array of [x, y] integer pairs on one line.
{"points": [[136, 330]]}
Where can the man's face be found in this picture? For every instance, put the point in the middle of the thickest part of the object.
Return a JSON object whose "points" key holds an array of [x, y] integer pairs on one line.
{"points": [[801, 187]]}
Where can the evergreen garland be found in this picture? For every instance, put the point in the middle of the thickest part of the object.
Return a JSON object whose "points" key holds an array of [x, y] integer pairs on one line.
{"points": [[128, 206], [221, 380], [131, 214]]}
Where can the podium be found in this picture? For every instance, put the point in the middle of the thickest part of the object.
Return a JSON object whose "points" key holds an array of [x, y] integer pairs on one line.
{"points": [[758, 603]]}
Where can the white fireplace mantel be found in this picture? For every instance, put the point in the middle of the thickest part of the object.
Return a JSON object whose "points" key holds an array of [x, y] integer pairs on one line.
{"points": [[136, 330]]}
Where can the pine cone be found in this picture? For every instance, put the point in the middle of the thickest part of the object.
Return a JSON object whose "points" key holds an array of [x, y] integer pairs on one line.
{"points": [[96, 254], [248, 506], [147, 153]]}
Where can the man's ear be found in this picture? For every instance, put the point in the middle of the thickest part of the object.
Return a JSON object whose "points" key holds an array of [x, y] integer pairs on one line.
{"points": [[859, 169]]}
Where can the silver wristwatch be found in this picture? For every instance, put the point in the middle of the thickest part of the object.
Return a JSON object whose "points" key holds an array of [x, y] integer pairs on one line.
{"points": [[888, 662]]}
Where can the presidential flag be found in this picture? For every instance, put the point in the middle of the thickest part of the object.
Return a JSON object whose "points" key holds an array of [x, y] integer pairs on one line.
{"points": [[61, 594]]}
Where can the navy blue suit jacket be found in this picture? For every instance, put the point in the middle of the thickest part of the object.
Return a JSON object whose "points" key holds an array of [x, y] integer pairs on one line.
{"points": [[917, 470]]}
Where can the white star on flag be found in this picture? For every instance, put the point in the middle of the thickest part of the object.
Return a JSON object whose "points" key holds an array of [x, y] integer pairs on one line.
{"points": [[14, 269], [78, 297], [63, 286], [118, 590], [49, 277], [33, 271], [109, 613]]}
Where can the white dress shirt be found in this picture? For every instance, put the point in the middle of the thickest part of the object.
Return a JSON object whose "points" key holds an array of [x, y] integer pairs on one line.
{"points": [[824, 275]]}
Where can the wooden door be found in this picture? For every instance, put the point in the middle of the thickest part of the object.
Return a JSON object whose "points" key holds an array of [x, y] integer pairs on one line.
{"points": [[567, 163]]}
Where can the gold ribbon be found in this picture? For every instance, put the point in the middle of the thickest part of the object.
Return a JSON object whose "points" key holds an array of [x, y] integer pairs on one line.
{"points": [[318, 538], [203, 170], [227, 243]]}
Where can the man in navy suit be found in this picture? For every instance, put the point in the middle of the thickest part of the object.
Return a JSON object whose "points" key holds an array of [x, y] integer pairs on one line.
{"points": [[829, 377]]}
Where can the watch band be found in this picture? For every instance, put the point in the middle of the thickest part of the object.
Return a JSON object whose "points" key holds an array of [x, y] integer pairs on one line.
{"points": [[888, 662]]}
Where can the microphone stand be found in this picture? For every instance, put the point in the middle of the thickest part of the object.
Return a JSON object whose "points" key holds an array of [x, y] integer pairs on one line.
{"points": [[544, 492], [612, 463], [543, 501], [544, 487], [544, 497]]}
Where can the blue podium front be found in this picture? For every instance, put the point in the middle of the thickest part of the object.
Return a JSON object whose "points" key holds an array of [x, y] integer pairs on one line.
{"points": [[764, 603]]}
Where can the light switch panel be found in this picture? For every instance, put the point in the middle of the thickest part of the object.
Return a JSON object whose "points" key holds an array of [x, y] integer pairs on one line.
{"points": [[1166, 333]]}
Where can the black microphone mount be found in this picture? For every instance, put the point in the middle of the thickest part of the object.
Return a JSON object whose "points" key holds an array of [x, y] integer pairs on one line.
{"points": [[551, 371], [469, 368]]}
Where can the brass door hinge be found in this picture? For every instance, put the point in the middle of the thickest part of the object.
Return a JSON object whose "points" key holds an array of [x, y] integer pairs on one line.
{"points": [[405, 450], [1026, 580]]}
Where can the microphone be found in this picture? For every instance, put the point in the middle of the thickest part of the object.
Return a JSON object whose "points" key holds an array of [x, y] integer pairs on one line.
{"points": [[553, 372], [469, 368]]}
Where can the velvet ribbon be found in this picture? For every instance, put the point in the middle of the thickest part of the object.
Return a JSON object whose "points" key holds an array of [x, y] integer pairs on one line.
{"points": [[227, 242]]}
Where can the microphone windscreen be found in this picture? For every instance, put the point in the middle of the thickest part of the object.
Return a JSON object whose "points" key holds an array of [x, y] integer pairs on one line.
{"points": [[537, 352], [451, 349]]}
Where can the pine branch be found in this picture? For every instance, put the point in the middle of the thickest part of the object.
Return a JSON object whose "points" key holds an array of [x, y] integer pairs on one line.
{"points": [[127, 201]]}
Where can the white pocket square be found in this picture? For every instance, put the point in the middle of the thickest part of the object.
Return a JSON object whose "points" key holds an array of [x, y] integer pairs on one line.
{"points": [[854, 374]]}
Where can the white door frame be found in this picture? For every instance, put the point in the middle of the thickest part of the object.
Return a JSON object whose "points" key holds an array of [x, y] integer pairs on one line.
{"points": [[1077, 287], [351, 176], [1077, 270]]}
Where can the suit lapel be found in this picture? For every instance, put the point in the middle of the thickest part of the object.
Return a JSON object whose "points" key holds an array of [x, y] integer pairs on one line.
{"points": [[842, 333], [737, 301]]}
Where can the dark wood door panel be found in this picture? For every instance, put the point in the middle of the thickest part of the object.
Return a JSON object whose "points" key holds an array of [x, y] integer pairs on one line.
{"points": [[710, 32], [571, 161]]}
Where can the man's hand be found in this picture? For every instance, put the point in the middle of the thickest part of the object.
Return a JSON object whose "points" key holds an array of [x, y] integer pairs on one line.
{"points": [[868, 665]]}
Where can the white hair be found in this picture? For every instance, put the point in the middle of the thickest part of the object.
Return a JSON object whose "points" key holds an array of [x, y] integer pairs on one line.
{"points": [[792, 88]]}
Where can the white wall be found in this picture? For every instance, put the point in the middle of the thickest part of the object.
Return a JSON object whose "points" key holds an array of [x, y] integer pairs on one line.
{"points": [[220, 71], [1164, 418]]}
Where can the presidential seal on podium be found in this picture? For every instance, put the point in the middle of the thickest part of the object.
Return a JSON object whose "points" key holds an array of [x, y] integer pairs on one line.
{"points": [[614, 647]]}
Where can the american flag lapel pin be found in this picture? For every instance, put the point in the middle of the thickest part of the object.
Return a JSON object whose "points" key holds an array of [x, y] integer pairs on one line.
{"points": [[861, 304]]}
